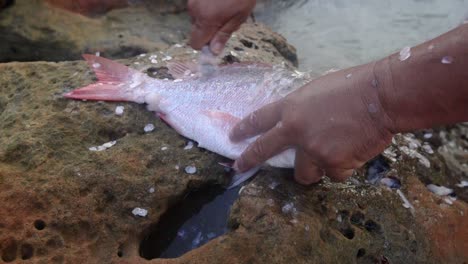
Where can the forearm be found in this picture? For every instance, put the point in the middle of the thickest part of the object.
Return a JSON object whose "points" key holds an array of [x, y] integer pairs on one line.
{"points": [[430, 87]]}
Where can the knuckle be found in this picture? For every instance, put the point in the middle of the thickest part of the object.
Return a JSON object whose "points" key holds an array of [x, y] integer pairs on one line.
{"points": [[306, 180], [253, 120], [258, 150], [334, 160]]}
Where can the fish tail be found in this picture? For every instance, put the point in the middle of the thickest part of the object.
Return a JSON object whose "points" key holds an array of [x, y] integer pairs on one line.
{"points": [[113, 82]]}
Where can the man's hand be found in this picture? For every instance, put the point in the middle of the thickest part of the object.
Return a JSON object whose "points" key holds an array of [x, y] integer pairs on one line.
{"points": [[214, 21], [341, 120], [336, 123]]}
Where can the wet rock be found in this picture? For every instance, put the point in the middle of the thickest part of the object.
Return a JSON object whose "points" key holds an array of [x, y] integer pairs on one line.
{"points": [[35, 30]]}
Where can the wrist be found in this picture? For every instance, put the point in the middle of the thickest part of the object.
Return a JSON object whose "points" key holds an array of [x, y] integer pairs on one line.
{"points": [[382, 81]]}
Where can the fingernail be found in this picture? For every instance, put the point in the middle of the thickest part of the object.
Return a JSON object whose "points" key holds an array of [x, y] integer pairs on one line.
{"points": [[216, 48]]}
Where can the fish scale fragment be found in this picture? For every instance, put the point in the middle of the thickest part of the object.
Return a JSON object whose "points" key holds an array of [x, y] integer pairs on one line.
{"points": [[103, 146], [137, 211], [447, 60], [190, 169], [119, 110], [405, 53], [439, 190], [189, 145], [148, 128]]}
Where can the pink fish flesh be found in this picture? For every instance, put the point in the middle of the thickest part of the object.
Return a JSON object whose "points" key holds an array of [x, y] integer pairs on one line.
{"points": [[199, 108]]}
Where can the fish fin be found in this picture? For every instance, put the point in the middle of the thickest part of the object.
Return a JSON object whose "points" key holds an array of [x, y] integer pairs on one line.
{"points": [[109, 71], [100, 92], [182, 69], [112, 85], [239, 178]]}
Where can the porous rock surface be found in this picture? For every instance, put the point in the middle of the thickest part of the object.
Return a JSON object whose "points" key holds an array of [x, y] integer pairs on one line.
{"points": [[62, 203]]}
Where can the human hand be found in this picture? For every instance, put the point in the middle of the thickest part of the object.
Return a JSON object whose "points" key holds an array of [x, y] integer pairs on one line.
{"points": [[336, 123], [214, 21]]}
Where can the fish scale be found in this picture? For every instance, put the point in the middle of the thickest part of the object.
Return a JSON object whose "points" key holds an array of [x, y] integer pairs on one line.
{"points": [[198, 107]]}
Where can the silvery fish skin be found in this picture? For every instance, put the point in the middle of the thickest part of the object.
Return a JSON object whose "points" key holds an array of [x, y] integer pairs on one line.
{"points": [[199, 108]]}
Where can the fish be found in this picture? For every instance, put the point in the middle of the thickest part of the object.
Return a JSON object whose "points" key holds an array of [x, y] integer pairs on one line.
{"points": [[199, 107]]}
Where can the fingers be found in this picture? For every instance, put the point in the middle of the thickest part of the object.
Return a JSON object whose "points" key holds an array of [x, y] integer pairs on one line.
{"points": [[266, 146], [306, 172], [222, 36], [201, 35], [339, 175], [257, 122]]}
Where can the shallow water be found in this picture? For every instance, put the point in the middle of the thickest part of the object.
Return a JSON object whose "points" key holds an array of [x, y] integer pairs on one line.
{"points": [[200, 217], [340, 34]]}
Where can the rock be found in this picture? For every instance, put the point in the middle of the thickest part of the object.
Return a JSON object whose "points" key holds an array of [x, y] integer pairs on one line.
{"points": [[62, 202], [34, 30]]}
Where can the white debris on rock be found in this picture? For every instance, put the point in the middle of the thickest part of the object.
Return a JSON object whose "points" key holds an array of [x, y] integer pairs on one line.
{"points": [[153, 58], [140, 212], [449, 200], [289, 208], [148, 128], [96, 65], [427, 148], [119, 110], [463, 184], [103, 146], [406, 203], [98, 54], [428, 135], [390, 154], [164, 148], [190, 169], [189, 145], [339, 218], [241, 189], [178, 45], [167, 58], [273, 185], [439, 190], [414, 154], [151, 190]]}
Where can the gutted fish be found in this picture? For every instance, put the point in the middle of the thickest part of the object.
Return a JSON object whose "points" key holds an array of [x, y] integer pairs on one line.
{"points": [[199, 107]]}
